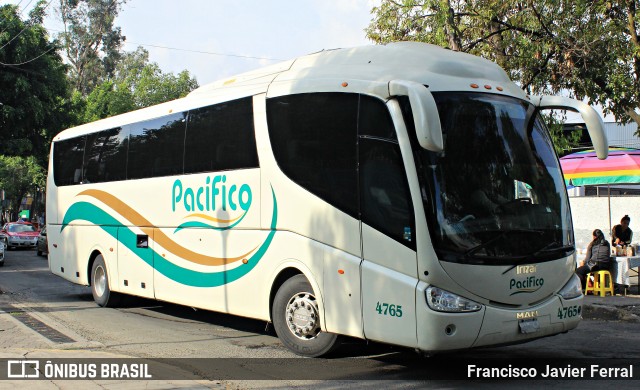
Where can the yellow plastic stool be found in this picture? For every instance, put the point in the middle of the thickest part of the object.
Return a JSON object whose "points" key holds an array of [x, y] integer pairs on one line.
{"points": [[599, 284]]}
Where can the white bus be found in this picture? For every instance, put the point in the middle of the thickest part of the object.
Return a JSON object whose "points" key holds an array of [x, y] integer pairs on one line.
{"points": [[401, 193]]}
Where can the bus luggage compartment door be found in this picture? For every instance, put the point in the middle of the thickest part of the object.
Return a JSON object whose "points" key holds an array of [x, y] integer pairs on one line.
{"points": [[135, 262]]}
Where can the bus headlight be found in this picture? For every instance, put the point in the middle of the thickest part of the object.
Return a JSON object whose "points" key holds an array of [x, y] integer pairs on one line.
{"points": [[442, 300], [573, 288]]}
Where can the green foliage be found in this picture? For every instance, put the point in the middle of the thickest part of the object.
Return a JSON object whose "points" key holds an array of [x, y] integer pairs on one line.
{"points": [[587, 47], [562, 141], [106, 100], [19, 176], [34, 94], [136, 84]]}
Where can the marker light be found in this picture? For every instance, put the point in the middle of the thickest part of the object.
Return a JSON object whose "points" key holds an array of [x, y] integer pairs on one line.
{"points": [[573, 288], [442, 300], [474, 85]]}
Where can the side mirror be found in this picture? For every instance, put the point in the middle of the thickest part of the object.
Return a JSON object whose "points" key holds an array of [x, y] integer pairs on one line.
{"points": [[594, 123], [425, 112]]}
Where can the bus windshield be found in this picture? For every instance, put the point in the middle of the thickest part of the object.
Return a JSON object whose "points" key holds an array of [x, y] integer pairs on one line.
{"points": [[495, 195]]}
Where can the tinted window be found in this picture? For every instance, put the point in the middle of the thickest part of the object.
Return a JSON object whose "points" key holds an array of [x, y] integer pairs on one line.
{"points": [[155, 147], [221, 137], [374, 119], [106, 156], [67, 161], [314, 140], [385, 197]]}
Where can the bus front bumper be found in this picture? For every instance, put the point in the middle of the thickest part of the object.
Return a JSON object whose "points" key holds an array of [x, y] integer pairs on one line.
{"points": [[494, 325], [554, 316]]}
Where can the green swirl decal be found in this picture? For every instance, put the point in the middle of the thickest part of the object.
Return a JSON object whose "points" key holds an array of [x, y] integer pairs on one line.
{"points": [[196, 224], [92, 213]]}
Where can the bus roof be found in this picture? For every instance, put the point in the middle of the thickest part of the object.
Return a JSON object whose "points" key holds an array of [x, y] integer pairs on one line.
{"points": [[441, 69], [366, 69]]}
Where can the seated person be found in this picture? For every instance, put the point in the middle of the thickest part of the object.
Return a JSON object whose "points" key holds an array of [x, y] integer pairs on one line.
{"points": [[486, 203], [621, 233], [598, 257]]}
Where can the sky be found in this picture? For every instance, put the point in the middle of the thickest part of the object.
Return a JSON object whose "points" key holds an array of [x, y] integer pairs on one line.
{"points": [[271, 30]]}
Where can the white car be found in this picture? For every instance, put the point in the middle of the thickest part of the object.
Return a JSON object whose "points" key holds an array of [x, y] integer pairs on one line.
{"points": [[1, 253]]}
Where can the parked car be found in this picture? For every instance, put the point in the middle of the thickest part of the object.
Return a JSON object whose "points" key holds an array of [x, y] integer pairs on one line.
{"points": [[1, 253], [42, 247], [19, 234]]}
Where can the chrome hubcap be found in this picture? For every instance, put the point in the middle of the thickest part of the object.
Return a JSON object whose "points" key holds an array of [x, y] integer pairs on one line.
{"points": [[302, 316], [99, 280]]}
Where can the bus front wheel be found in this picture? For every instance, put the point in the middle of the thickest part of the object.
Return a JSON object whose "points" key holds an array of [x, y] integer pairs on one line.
{"points": [[102, 295], [296, 319]]}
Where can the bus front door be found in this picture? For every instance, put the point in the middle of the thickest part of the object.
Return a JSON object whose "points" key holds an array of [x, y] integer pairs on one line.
{"points": [[389, 261]]}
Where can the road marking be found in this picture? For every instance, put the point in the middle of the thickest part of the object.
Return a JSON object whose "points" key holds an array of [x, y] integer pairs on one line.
{"points": [[35, 324]]}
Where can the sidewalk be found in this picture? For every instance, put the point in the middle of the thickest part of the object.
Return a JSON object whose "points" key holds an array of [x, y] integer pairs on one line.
{"points": [[612, 308]]}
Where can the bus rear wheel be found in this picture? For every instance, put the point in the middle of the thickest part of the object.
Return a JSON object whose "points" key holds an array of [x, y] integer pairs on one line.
{"points": [[102, 294], [296, 319]]}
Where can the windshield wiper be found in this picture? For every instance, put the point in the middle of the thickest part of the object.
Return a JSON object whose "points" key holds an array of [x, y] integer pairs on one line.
{"points": [[470, 252], [554, 247]]}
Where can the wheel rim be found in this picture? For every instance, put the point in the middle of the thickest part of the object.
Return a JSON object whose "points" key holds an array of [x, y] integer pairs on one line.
{"points": [[99, 280], [302, 316]]}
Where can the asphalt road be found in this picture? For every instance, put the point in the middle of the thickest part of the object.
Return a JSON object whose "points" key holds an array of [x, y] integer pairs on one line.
{"points": [[43, 316]]}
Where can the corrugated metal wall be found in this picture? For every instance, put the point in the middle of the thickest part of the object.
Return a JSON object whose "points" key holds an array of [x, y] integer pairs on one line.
{"points": [[622, 135]]}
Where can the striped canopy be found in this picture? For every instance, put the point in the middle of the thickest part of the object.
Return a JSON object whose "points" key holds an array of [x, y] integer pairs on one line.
{"points": [[622, 166]]}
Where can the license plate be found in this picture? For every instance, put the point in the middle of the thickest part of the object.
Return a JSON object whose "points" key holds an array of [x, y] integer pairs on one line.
{"points": [[529, 325]]}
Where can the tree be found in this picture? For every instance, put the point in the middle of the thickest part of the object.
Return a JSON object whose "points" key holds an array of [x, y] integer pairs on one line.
{"points": [[147, 83], [587, 47], [20, 176], [91, 41], [107, 100], [137, 83], [34, 94]]}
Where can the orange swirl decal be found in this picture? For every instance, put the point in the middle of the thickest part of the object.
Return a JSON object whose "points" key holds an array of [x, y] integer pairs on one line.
{"points": [[158, 236], [212, 219]]}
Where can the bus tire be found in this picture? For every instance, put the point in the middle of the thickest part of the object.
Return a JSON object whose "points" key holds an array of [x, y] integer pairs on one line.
{"points": [[102, 294], [296, 319]]}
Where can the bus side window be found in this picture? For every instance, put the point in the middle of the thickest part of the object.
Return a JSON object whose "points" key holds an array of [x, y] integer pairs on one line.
{"points": [[106, 156], [385, 198], [160, 137], [314, 141], [67, 166], [221, 137]]}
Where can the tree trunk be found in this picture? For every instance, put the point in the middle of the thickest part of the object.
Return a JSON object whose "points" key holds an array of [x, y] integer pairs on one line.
{"points": [[636, 118], [453, 34]]}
